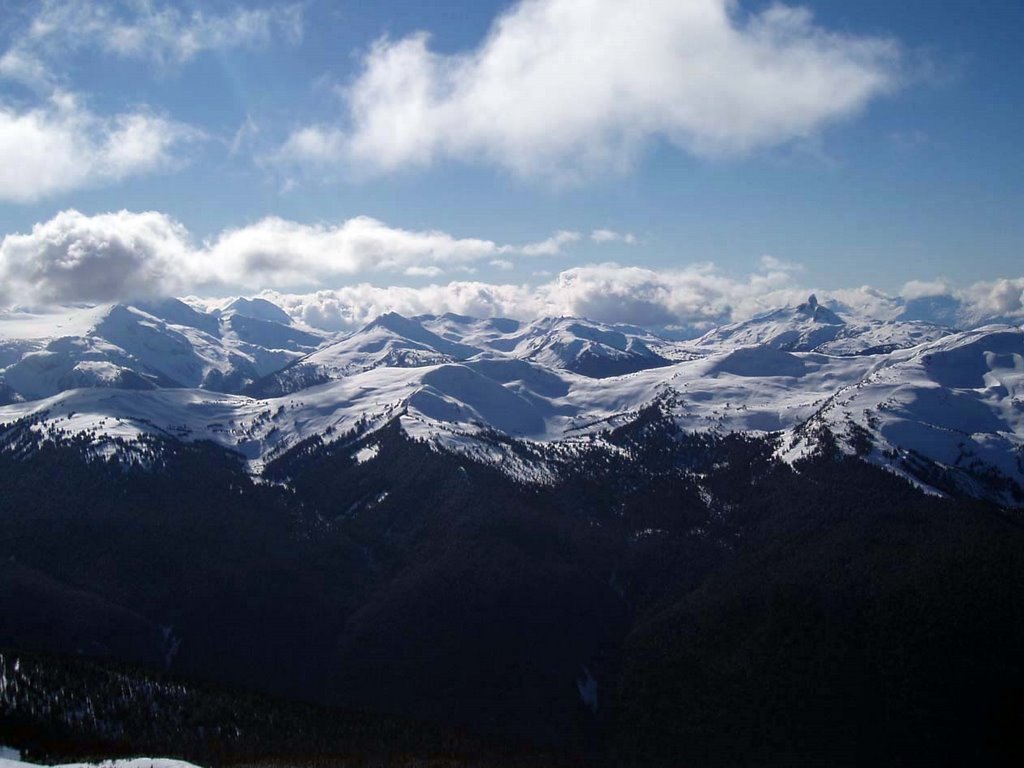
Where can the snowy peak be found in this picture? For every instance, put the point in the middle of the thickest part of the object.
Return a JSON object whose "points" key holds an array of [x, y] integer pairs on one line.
{"points": [[585, 348], [413, 331], [395, 341], [178, 312], [813, 327], [162, 343], [257, 309], [816, 313], [390, 341], [565, 343]]}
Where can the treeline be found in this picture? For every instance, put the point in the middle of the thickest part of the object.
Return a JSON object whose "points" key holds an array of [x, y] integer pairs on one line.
{"points": [[56, 708]]}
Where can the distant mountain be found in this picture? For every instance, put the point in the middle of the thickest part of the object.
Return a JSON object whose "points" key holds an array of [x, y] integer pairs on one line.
{"points": [[393, 341], [154, 344], [390, 341], [255, 309], [812, 327]]}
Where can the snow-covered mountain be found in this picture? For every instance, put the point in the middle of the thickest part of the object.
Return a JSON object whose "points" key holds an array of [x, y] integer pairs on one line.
{"points": [[456, 489], [812, 327], [581, 346], [899, 394], [570, 344], [957, 403], [143, 346]]}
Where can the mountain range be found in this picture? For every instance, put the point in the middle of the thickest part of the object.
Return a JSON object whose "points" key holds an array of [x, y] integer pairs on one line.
{"points": [[916, 398], [747, 548]]}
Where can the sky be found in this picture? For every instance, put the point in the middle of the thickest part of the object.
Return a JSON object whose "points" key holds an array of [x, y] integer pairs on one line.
{"points": [[658, 162]]}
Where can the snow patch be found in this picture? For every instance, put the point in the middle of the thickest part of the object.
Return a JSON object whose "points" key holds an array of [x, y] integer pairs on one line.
{"points": [[367, 453], [138, 762]]}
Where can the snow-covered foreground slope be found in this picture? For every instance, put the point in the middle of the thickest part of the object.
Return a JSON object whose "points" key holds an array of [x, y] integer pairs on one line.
{"points": [[137, 762], [958, 402]]}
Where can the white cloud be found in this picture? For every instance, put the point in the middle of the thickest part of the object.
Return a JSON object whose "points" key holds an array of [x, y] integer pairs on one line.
{"points": [[553, 245], [921, 289], [568, 88], [1003, 298], [274, 251], [61, 260], [62, 145], [691, 299], [601, 236], [112, 256], [355, 305], [695, 295], [122, 256], [162, 34], [430, 271], [23, 67], [772, 264]]}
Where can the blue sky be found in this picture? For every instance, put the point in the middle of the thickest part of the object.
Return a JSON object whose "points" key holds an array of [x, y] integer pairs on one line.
{"points": [[900, 160]]}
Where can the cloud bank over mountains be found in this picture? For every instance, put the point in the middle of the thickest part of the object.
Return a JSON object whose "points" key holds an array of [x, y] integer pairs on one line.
{"points": [[125, 256], [570, 88], [685, 302]]}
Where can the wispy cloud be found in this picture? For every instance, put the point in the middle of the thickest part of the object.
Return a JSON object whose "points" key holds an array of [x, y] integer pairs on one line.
{"points": [[553, 245], [563, 89], [611, 236], [161, 34], [58, 143]]}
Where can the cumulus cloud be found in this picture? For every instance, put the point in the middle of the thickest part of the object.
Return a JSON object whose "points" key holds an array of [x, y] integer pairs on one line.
{"points": [[274, 251], [162, 34], [698, 295], [1001, 299], [567, 88], [691, 299], [687, 301], [113, 256], [62, 145], [61, 260], [923, 289]]}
